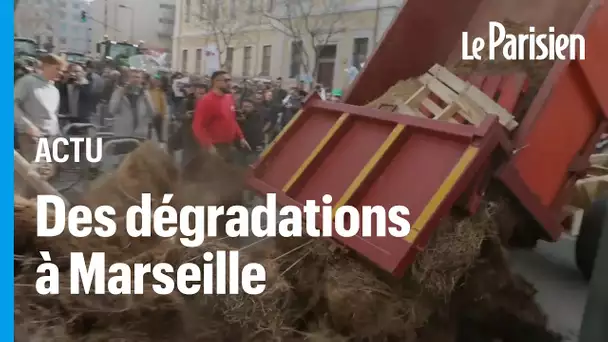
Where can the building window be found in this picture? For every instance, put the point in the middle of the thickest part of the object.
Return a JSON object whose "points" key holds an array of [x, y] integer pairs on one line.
{"points": [[250, 8], [270, 5], [215, 10], [198, 61], [202, 9], [232, 9], [229, 59], [296, 59], [247, 61], [360, 47], [167, 6], [63, 40], [185, 60], [187, 11], [266, 57]]}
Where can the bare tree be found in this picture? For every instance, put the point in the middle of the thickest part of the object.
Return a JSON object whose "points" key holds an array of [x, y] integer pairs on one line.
{"points": [[310, 23], [224, 24]]}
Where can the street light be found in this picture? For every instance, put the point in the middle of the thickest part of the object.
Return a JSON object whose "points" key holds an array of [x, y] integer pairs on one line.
{"points": [[132, 20]]}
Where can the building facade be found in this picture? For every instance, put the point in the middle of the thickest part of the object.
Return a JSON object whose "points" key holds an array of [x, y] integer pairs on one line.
{"points": [[310, 40], [134, 20], [56, 25]]}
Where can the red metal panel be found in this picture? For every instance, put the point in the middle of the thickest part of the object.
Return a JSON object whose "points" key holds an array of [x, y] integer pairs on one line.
{"points": [[407, 177], [505, 89], [560, 133], [491, 85], [511, 89], [336, 171], [476, 80], [409, 172], [423, 33], [561, 125], [277, 167]]}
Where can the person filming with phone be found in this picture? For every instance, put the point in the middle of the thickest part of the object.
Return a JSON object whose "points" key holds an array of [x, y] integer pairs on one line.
{"points": [[131, 107], [76, 95]]}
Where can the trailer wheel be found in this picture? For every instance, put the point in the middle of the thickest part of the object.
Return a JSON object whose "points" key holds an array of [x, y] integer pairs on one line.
{"points": [[595, 220]]}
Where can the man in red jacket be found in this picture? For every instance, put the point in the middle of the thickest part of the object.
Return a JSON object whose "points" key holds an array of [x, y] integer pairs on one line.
{"points": [[214, 123]]}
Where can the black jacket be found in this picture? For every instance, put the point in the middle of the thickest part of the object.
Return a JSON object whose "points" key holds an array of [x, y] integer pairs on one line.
{"points": [[86, 101], [252, 126]]}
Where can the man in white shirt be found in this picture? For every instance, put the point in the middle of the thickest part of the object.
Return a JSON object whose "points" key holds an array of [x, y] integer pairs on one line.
{"points": [[36, 104]]}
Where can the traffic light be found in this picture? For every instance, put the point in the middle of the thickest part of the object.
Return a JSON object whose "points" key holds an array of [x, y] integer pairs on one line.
{"points": [[83, 16]]}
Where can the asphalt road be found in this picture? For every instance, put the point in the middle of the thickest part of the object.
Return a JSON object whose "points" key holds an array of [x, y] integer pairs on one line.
{"points": [[562, 292]]}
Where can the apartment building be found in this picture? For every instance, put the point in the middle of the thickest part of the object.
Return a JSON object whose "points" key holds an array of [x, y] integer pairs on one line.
{"points": [[134, 20], [294, 39], [55, 24]]}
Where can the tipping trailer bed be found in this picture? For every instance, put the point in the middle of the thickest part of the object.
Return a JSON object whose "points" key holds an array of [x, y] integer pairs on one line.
{"points": [[363, 156]]}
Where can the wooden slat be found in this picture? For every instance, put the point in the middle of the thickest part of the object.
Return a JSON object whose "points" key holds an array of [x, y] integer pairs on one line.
{"points": [[477, 80], [474, 114], [440, 95], [448, 112], [405, 109], [432, 107], [416, 99], [486, 103]]}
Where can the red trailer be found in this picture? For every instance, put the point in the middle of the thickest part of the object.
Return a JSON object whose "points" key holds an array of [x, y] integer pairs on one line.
{"points": [[364, 156]]}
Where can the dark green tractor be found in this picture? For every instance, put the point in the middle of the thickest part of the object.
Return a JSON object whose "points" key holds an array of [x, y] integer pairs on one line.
{"points": [[26, 53], [75, 57], [117, 53], [25, 47]]}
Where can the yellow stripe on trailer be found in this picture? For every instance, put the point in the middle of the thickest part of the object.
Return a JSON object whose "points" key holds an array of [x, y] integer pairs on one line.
{"points": [[444, 189], [320, 146], [280, 135], [369, 167]]}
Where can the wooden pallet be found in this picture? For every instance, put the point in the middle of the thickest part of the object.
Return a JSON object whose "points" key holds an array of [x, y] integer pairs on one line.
{"points": [[441, 95]]}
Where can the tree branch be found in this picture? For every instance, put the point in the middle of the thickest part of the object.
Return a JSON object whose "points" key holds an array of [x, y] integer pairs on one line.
{"points": [[311, 22], [223, 29]]}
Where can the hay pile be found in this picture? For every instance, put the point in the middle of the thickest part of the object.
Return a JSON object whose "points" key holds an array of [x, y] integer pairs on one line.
{"points": [[397, 94], [316, 290]]}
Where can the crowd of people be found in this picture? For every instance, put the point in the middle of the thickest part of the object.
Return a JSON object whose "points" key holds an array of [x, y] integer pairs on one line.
{"points": [[184, 112]]}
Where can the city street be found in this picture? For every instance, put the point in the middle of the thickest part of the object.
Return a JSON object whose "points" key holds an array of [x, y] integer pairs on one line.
{"points": [[562, 292]]}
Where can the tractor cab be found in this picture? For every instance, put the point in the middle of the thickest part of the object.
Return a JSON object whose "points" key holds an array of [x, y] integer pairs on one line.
{"points": [[117, 52], [73, 57]]}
